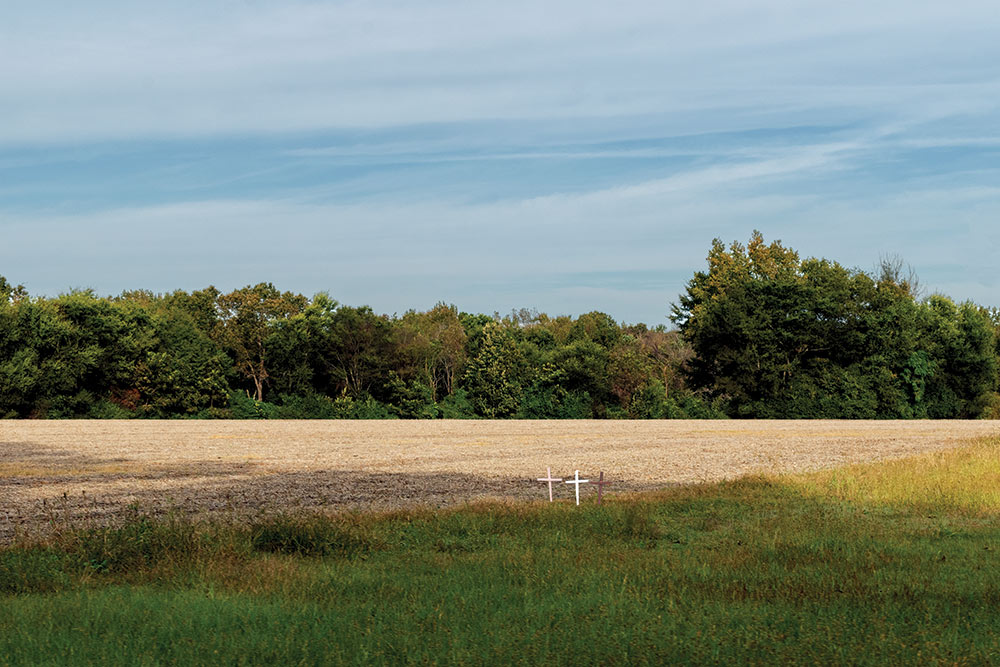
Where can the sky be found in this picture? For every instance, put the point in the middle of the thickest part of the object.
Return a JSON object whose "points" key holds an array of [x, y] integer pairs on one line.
{"points": [[564, 156]]}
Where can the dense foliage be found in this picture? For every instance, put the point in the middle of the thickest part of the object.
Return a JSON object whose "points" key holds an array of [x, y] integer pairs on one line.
{"points": [[258, 352], [761, 334], [776, 336]]}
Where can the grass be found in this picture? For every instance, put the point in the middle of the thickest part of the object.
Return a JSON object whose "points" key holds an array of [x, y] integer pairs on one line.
{"points": [[884, 563]]}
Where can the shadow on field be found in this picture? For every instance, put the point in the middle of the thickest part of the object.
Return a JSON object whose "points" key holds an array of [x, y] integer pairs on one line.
{"points": [[36, 505], [30, 454]]}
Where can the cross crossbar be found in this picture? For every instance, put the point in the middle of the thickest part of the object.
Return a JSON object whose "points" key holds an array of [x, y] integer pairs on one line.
{"points": [[549, 478], [600, 483], [577, 481]]}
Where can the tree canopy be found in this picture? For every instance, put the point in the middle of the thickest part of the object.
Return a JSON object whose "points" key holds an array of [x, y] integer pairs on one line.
{"points": [[775, 336], [760, 333]]}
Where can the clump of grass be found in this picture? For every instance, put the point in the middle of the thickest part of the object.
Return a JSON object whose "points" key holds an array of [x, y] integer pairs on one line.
{"points": [[136, 548], [133, 545], [34, 569], [313, 535]]}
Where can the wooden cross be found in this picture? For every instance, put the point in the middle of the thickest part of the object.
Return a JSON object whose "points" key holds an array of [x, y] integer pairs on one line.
{"points": [[549, 478], [600, 487], [576, 480]]}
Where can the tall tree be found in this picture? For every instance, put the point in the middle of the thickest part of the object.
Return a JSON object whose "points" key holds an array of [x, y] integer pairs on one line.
{"points": [[780, 337], [246, 319], [358, 350], [491, 377], [434, 345]]}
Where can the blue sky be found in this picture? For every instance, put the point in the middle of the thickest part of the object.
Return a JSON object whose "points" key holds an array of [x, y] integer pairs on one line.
{"points": [[564, 156]]}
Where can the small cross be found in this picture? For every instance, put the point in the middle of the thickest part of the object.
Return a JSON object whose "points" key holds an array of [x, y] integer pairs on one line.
{"points": [[600, 487], [576, 480], [549, 478]]}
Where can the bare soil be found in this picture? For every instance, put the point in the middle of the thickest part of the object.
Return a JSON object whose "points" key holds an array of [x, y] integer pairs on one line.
{"points": [[54, 473]]}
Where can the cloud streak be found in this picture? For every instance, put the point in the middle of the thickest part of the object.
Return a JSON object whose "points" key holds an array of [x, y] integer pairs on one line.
{"points": [[120, 70], [552, 155], [547, 252]]}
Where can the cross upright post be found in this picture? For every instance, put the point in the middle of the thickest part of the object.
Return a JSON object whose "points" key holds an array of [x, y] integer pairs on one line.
{"points": [[600, 487], [549, 478], [577, 481]]}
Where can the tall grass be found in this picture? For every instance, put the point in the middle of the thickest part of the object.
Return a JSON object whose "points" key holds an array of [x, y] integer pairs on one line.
{"points": [[892, 562]]}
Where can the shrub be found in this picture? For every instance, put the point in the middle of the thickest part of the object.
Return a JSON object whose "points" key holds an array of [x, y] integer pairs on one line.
{"points": [[242, 406], [312, 536], [346, 407], [105, 409], [310, 406], [457, 406], [554, 402]]}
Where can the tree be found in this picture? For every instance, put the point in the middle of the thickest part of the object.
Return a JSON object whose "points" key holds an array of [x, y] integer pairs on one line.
{"points": [[297, 346], [37, 358], [669, 354], [433, 344], [597, 327], [781, 337], [958, 359], [11, 293], [184, 372], [246, 319], [491, 377], [629, 369], [357, 350]]}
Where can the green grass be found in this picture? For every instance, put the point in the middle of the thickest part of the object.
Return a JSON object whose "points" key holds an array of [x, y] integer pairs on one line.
{"points": [[886, 563]]}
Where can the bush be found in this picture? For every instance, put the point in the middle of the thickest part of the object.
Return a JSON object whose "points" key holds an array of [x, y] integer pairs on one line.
{"points": [[105, 409], [367, 407], [688, 405], [457, 406], [412, 400], [554, 402], [312, 536], [310, 406], [651, 402], [69, 407], [988, 406], [242, 406], [212, 413]]}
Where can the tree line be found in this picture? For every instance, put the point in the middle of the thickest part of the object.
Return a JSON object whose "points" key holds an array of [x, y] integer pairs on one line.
{"points": [[759, 334], [261, 352]]}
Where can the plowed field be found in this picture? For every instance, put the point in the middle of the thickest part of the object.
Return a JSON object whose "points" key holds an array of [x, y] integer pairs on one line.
{"points": [[58, 472]]}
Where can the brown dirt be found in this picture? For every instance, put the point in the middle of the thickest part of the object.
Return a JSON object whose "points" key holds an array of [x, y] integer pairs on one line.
{"points": [[53, 472]]}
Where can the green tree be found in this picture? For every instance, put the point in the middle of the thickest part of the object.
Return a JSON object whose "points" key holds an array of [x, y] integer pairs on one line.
{"points": [[433, 347], [11, 293], [185, 372], [297, 347], [246, 320], [958, 360], [37, 357], [358, 351], [629, 369], [597, 327], [780, 337], [491, 377]]}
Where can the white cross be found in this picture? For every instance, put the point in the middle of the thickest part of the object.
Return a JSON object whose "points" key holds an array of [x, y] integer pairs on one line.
{"points": [[549, 478], [576, 480]]}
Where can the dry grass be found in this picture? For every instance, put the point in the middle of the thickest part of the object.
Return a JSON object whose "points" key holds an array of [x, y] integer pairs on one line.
{"points": [[52, 472]]}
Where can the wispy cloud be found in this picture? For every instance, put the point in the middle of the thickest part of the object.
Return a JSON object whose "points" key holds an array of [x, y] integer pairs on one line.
{"points": [[510, 253], [495, 154], [116, 69]]}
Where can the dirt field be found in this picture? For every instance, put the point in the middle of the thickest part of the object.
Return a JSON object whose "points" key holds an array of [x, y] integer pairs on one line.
{"points": [[52, 472]]}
